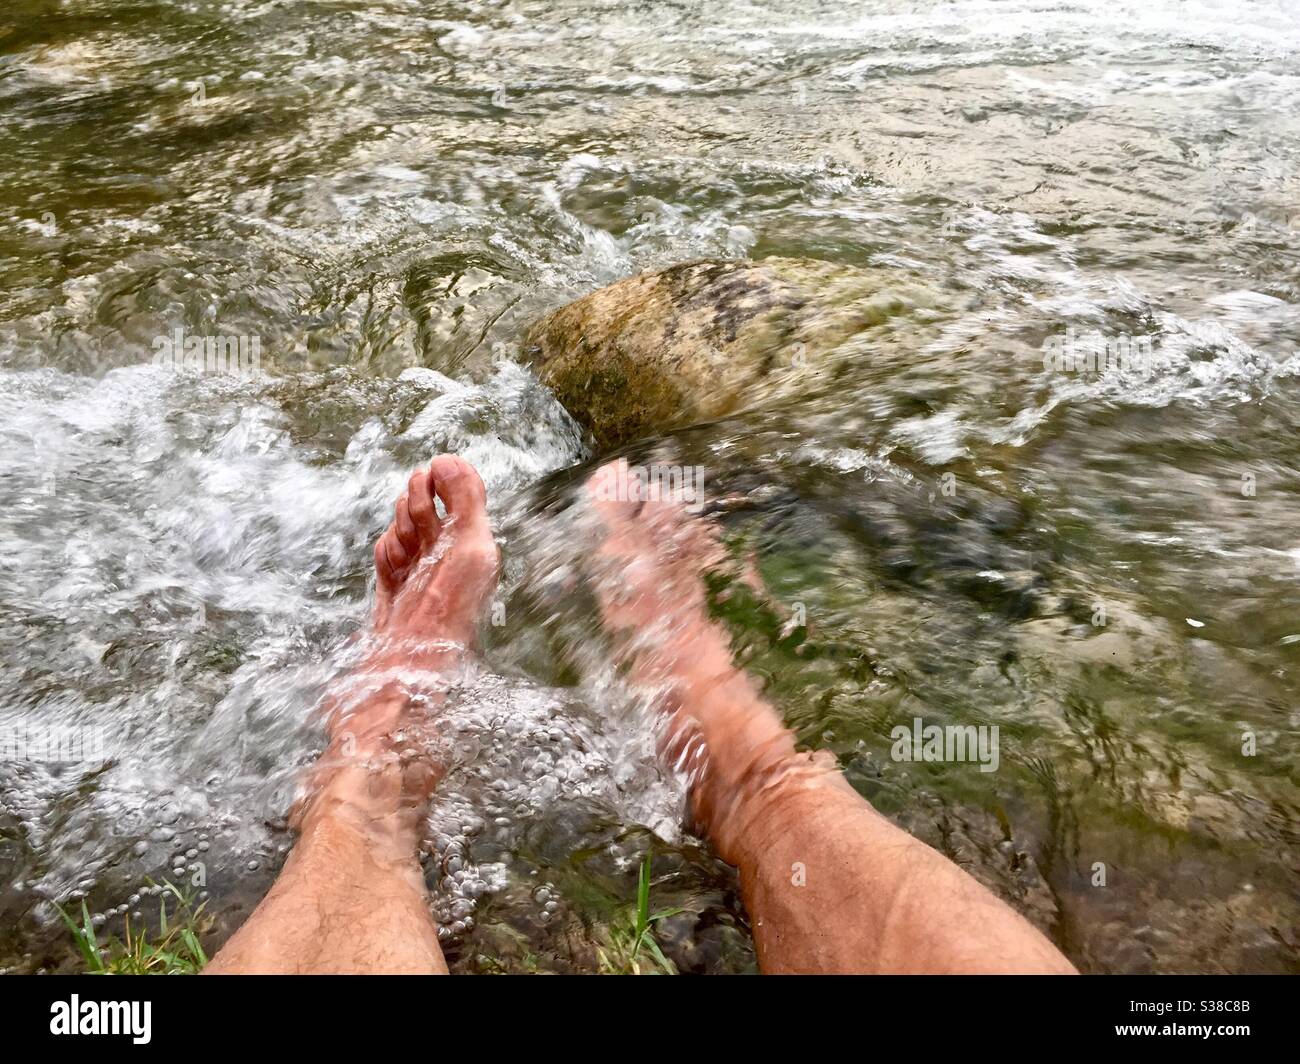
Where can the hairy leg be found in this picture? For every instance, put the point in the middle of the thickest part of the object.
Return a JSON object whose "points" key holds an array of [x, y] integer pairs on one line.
{"points": [[351, 897], [830, 885]]}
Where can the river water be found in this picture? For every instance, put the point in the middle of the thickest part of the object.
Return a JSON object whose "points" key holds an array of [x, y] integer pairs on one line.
{"points": [[384, 194]]}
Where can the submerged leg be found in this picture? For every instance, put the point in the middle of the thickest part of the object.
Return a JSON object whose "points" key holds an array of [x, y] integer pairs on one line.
{"points": [[351, 897], [830, 885]]}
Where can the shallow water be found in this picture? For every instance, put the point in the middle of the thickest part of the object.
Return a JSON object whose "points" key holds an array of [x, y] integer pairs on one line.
{"points": [[385, 194]]}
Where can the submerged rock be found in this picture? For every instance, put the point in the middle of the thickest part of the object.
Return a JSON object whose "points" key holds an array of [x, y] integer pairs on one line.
{"points": [[700, 340]]}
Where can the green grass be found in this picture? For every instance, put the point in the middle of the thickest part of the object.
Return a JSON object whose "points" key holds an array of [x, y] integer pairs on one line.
{"points": [[628, 945], [175, 950]]}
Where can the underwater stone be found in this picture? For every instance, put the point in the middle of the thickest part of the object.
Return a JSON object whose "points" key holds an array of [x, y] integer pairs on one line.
{"points": [[699, 340]]}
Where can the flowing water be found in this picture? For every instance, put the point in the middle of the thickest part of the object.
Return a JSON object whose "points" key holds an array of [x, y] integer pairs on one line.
{"points": [[384, 194]]}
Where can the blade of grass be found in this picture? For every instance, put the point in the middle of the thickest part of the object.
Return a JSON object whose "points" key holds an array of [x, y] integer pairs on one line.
{"points": [[92, 943], [657, 953], [196, 951], [643, 898], [89, 955]]}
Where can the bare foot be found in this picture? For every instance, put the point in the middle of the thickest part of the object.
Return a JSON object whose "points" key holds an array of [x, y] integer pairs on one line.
{"points": [[435, 577], [736, 751]]}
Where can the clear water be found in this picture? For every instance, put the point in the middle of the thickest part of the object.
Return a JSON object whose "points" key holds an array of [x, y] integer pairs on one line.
{"points": [[387, 193]]}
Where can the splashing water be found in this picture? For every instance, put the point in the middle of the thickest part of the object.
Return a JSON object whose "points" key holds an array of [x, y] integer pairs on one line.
{"points": [[384, 194]]}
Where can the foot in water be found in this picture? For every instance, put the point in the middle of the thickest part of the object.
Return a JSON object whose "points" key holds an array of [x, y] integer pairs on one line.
{"points": [[830, 885], [434, 575], [434, 578], [734, 748], [865, 896], [352, 898]]}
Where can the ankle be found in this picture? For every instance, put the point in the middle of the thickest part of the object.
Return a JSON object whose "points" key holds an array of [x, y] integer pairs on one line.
{"points": [[376, 774], [370, 801], [421, 659], [754, 783]]}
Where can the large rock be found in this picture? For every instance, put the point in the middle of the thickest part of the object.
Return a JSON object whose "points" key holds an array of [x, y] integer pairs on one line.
{"points": [[700, 340]]}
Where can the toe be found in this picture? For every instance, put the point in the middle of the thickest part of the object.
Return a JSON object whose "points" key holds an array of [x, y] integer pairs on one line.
{"points": [[395, 554], [419, 505], [459, 487], [407, 534], [387, 575]]}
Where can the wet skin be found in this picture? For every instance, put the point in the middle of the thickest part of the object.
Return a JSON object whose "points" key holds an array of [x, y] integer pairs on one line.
{"points": [[830, 885]]}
